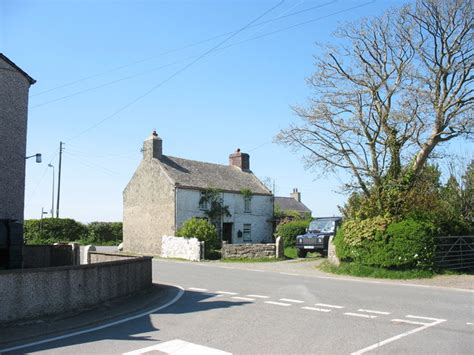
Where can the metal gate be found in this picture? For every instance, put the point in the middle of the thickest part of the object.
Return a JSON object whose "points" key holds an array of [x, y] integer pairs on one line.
{"points": [[455, 252]]}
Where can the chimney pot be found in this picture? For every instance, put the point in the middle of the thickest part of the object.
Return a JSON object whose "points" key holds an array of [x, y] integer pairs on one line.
{"points": [[153, 147], [240, 160]]}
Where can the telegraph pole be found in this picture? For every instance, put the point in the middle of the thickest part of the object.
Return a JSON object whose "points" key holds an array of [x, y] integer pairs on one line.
{"points": [[59, 177]]}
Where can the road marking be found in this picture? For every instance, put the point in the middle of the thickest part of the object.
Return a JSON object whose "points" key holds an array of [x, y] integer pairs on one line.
{"points": [[100, 327], [360, 315], [469, 323], [316, 309], [278, 303], [408, 321], [418, 317], [288, 273], [243, 298], [374, 312], [397, 337], [257, 270], [178, 347], [329, 305], [258, 296], [227, 293], [197, 289], [291, 300]]}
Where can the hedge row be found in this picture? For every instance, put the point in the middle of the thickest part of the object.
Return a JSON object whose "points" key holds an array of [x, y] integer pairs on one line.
{"points": [[380, 242], [56, 230], [290, 230]]}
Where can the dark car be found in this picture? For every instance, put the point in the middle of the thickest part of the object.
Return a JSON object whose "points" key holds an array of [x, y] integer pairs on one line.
{"points": [[316, 238]]}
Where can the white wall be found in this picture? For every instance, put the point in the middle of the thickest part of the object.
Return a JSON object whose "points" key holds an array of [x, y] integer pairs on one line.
{"points": [[185, 248], [260, 217]]}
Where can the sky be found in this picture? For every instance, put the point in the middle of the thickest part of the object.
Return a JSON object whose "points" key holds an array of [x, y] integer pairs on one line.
{"points": [[109, 72]]}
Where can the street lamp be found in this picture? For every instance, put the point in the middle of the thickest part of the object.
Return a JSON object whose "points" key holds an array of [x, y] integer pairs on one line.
{"points": [[52, 192], [37, 155]]}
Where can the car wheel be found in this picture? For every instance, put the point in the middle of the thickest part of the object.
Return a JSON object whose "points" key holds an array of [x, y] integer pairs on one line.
{"points": [[301, 253]]}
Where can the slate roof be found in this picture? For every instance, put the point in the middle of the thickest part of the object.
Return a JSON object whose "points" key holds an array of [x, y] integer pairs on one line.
{"points": [[6, 59], [202, 175], [289, 203]]}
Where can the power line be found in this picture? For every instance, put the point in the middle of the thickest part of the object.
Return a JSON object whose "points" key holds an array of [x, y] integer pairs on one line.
{"points": [[176, 73], [193, 44]]}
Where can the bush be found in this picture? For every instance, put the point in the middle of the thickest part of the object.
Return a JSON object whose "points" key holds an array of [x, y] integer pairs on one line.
{"points": [[202, 230], [373, 242], [103, 233], [290, 230], [53, 230]]}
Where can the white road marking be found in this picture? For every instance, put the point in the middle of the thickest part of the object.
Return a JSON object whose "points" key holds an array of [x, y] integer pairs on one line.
{"points": [[178, 347], [243, 298], [329, 305], [257, 270], [103, 326], [258, 296], [469, 323], [374, 312], [291, 300], [227, 293], [197, 289], [288, 273], [408, 321], [278, 303], [418, 317], [397, 337], [316, 309], [360, 315]]}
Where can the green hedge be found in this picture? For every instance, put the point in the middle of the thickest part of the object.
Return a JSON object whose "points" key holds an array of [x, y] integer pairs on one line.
{"points": [[290, 230], [204, 231], [377, 242], [58, 230]]}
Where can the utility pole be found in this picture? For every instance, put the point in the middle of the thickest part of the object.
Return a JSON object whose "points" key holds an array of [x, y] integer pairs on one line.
{"points": [[59, 177]]}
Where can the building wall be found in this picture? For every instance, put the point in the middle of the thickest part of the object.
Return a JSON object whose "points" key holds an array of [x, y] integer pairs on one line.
{"points": [[14, 89], [260, 217], [148, 209]]}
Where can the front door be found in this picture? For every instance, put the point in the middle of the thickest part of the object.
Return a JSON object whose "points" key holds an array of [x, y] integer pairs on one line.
{"points": [[227, 232]]}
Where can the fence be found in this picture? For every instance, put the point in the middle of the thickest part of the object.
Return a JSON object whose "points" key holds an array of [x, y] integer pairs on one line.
{"points": [[455, 252]]}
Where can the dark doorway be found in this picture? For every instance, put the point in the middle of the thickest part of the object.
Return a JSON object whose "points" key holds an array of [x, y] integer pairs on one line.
{"points": [[227, 232]]}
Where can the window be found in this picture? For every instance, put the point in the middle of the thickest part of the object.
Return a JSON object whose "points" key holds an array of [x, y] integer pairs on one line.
{"points": [[247, 204], [247, 232], [203, 203]]}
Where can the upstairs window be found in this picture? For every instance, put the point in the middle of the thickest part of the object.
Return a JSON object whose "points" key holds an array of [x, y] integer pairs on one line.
{"points": [[247, 204], [247, 232], [203, 203]]}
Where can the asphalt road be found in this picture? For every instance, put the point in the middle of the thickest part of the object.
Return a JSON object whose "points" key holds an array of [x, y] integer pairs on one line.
{"points": [[243, 311]]}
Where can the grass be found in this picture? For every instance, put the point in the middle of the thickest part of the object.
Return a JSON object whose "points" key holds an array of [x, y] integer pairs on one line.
{"points": [[354, 269], [249, 260]]}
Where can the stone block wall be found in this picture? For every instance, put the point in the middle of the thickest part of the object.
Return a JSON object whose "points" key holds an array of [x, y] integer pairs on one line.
{"points": [[184, 248], [250, 251]]}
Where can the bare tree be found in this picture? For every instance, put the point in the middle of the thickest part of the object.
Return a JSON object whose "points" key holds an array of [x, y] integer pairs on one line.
{"points": [[400, 85]]}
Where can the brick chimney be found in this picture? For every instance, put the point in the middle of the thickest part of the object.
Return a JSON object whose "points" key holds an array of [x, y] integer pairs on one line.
{"points": [[296, 194], [153, 147], [240, 160]]}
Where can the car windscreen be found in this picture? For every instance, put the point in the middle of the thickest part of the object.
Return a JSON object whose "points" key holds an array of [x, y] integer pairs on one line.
{"points": [[322, 225]]}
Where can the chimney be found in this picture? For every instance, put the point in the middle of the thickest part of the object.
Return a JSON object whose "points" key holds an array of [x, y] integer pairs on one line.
{"points": [[296, 195], [153, 147], [240, 160]]}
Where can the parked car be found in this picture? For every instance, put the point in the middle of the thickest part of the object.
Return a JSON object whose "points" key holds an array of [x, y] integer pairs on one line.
{"points": [[316, 238]]}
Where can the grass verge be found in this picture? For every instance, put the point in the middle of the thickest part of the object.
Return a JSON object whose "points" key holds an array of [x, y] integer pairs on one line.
{"points": [[354, 269], [248, 260]]}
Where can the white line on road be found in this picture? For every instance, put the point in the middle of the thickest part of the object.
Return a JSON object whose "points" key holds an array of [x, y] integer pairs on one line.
{"points": [[288, 273], [407, 321], [178, 346], [103, 326], [243, 298], [197, 289], [316, 309], [291, 300], [397, 337], [469, 323], [419, 317], [258, 296], [278, 303], [374, 312], [254, 270], [227, 293], [360, 315], [329, 305]]}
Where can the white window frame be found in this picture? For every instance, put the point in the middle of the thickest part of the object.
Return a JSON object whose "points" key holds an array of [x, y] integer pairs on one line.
{"points": [[247, 232], [247, 204], [203, 206]]}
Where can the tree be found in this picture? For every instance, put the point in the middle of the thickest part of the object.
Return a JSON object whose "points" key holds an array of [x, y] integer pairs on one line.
{"points": [[216, 210], [399, 86]]}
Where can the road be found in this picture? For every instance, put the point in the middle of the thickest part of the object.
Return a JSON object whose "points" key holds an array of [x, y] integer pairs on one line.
{"points": [[244, 311]]}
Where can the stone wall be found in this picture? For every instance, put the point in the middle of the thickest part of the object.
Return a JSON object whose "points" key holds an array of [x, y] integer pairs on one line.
{"points": [[32, 293], [250, 251], [183, 248]]}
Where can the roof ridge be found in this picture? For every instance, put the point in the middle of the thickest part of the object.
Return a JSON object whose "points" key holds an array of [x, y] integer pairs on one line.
{"points": [[202, 162]]}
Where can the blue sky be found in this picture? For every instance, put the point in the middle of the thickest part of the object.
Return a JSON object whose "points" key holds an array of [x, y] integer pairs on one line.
{"points": [[116, 51]]}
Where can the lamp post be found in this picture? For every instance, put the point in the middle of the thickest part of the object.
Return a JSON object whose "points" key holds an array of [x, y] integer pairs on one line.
{"points": [[52, 192], [37, 156]]}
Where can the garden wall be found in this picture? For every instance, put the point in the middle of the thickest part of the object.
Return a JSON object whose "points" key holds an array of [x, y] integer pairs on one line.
{"points": [[183, 248], [253, 251]]}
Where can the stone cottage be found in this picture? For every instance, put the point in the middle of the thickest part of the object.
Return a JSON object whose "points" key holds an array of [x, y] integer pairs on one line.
{"points": [[289, 206], [14, 90], [166, 191]]}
